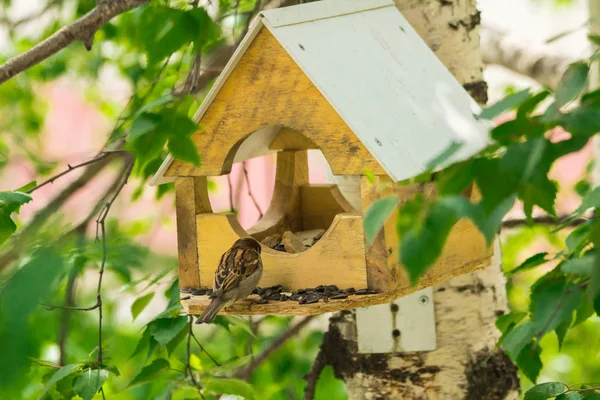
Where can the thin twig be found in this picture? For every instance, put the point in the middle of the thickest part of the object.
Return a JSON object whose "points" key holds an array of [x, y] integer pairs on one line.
{"points": [[204, 351], [251, 338], [312, 376], [45, 365], [70, 168], [246, 371], [230, 184], [101, 223], [543, 220], [250, 191], [188, 366]]}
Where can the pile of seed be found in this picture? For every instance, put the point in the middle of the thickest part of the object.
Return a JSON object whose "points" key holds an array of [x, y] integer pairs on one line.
{"points": [[302, 296], [309, 295]]}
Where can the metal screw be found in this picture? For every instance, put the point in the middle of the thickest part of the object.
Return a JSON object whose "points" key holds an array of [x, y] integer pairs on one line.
{"points": [[378, 142], [301, 47], [402, 29], [476, 116], [424, 300]]}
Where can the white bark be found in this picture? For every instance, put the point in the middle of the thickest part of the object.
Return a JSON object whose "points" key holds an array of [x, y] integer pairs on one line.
{"points": [[465, 364], [533, 60]]}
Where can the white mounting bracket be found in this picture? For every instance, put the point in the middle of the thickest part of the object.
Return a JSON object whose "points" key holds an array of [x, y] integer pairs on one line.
{"points": [[404, 325]]}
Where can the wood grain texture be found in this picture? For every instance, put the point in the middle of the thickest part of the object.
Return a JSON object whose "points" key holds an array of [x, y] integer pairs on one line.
{"points": [[284, 212], [320, 205], [336, 259], [379, 275], [267, 88], [185, 199], [289, 139]]}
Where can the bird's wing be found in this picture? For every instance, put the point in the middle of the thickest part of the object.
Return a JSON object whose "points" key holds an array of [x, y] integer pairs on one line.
{"points": [[235, 265]]}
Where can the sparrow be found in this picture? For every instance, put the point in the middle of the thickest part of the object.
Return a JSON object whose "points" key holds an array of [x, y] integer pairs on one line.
{"points": [[238, 273]]}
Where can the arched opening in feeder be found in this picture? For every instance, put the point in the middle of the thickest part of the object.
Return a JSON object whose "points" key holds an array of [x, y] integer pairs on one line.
{"points": [[287, 197]]}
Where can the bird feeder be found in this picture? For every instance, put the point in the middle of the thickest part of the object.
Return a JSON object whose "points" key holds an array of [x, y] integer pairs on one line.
{"points": [[354, 80]]}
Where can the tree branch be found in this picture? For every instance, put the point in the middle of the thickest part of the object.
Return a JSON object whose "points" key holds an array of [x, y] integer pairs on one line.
{"points": [[537, 61], [81, 30], [312, 376], [246, 371], [543, 220]]}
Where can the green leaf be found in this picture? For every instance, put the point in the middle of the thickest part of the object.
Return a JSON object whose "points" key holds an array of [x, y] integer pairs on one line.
{"points": [[142, 124], [552, 303], [149, 372], [572, 83], [532, 262], [578, 238], [140, 303], [423, 242], [561, 331], [505, 104], [545, 391], [10, 202], [529, 105], [455, 179], [172, 345], [504, 322], [579, 266], [529, 361], [58, 375], [582, 121], [376, 215], [594, 39], [230, 386], [27, 187], [142, 343], [238, 322], [184, 149], [591, 200], [165, 329], [20, 296], [584, 311], [516, 340], [89, 383], [444, 156], [570, 396]]}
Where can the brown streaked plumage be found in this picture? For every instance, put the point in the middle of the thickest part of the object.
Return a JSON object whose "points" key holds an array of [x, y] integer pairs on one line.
{"points": [[238, 273]]}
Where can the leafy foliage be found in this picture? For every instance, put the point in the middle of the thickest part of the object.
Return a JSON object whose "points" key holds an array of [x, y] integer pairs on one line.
{"points": [[516, 167], [154, 62]]}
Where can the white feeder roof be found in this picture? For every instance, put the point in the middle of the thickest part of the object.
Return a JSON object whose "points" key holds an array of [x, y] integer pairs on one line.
{"points": [[380, 76]]}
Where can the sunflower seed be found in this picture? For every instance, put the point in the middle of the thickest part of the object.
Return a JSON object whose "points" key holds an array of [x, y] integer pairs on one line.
{"points": [[186, 290], [200, 292], [186, 297], [339, 296], [263, 301], [295, 296], [283, 297], [349, 290]]}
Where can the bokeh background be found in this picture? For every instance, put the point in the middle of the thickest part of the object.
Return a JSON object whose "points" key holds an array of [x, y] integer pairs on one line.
{"points": [[79, 110]]}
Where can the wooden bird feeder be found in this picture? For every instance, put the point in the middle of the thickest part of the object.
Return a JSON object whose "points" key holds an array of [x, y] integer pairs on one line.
{"points": [[354, 80]]}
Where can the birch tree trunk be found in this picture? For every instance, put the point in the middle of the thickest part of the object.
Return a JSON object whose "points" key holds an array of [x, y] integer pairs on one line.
{"points": [[465, 364]]}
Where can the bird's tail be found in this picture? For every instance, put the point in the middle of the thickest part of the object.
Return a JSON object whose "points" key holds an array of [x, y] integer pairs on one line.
{"points": [[210, 312]]}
